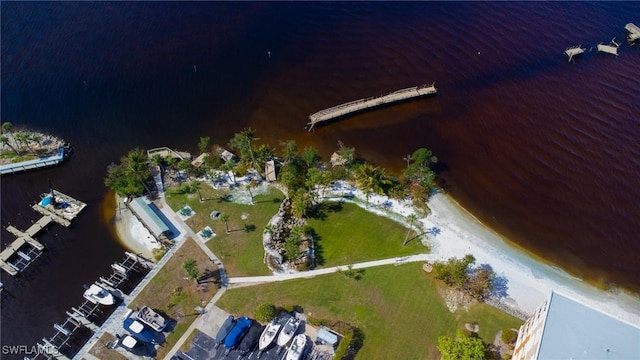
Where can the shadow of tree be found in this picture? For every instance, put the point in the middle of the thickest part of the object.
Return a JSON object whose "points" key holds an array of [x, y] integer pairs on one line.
{"points": [[318, 251], [321, 211], [498, 282], [249, 228]]}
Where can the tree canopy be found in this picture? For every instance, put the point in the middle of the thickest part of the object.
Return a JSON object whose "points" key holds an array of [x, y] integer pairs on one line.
{"points": [[462, 347], [131, 176]]}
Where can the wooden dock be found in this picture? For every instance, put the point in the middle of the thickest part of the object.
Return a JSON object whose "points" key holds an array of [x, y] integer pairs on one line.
{"points": [[633, 32], [364, 104], [25, 249], [165, 151]]}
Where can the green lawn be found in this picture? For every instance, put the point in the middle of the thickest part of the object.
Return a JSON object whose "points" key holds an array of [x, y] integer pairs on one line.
{"points": [[241, 250], [397, 308], [346, 234]]}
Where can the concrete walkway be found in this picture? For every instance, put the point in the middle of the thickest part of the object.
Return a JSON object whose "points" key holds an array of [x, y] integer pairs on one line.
{"points": [[312, 273]]}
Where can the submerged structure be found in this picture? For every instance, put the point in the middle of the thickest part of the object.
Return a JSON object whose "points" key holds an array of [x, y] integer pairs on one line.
{"points": [[573, 51], [633, 32]]}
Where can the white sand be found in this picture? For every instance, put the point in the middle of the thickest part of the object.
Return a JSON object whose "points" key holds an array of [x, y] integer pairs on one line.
{"points": [[133, 235], [529, 281]]}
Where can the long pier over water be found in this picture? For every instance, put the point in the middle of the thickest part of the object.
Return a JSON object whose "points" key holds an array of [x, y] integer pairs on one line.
{"points": [[363, 104]]}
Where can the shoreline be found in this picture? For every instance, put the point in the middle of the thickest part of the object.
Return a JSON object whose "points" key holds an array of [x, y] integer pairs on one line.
{"points": [[528, 280]]}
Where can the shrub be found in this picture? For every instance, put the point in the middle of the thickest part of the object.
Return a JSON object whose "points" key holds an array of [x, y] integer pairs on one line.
{"points": [[191, 267], [265, 312]]}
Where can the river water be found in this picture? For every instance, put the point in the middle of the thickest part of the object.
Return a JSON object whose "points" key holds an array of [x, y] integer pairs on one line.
{"points": [[544, 151]]}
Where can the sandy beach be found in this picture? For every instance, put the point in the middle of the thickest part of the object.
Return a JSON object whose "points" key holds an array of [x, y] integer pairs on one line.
{"points": [[455, 232], [131, 233]]}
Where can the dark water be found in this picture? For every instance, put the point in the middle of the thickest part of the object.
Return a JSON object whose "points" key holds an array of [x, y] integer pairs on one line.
{"points": [[544, 151]]}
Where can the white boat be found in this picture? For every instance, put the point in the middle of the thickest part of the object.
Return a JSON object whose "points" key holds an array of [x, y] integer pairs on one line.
{"points": [[288, 331], [269, 334], [99, 295], [297, 347], [151, 318]]}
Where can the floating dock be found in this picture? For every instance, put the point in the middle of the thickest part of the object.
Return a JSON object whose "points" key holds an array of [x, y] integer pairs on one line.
{"points": [[633, 32], [573, 51], [364, 104]]}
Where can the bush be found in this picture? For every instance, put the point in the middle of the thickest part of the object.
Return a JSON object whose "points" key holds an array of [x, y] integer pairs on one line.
{"points": [[508, 336], [265, 312]]}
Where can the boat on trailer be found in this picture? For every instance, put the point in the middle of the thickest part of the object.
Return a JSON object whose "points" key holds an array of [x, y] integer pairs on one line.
{"points": [[269, 333], [151, 318], [288, 331], [297, 347]]}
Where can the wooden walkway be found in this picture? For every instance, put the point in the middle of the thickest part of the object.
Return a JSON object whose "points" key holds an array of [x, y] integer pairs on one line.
{"points": [[363, 104], [165, 151]]}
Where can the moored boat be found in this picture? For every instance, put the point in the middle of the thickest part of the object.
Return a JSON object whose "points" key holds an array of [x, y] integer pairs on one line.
{"points": [[297, 347], [99, 295], [269, 333], [288, 331]]}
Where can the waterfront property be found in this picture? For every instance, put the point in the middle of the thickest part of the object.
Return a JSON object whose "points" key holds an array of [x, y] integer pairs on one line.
{"points": [[562, 328], [373, 102]]}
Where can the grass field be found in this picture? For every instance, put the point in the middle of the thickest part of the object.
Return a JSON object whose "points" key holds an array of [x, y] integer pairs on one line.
{"points": [[241, 250], [346, 234], [398, 309]]}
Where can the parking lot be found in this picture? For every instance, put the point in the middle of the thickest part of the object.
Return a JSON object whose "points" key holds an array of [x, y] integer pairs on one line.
{"points": [[204, 347]]}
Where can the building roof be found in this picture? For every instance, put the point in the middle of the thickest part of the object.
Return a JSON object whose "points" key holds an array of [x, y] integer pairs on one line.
{"points": [[148, 216], [575, 331]]}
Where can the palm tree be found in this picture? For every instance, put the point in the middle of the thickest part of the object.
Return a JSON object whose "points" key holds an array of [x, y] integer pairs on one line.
{"points": [[203, 145], [22, 138], [36, 138], [225, 218], [411, 218], [371, 179], [6, 127], [158, 160], [5, 141], [136, 165], [248, 187]]}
